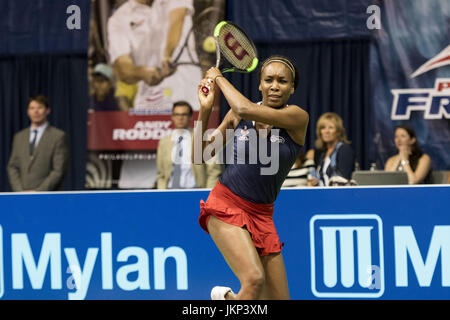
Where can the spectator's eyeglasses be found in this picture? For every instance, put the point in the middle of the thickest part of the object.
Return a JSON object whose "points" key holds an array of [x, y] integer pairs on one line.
{"points": [[181, 114]]}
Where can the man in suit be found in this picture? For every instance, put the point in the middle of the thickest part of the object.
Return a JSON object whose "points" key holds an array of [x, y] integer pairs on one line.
{"points": [[40, 154], [173, 157]]}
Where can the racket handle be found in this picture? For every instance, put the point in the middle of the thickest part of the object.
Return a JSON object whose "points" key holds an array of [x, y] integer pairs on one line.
{"points": [[205, 90]]}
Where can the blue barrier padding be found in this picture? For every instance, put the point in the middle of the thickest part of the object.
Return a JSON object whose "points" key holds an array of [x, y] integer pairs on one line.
{"points": [[340, 243]]}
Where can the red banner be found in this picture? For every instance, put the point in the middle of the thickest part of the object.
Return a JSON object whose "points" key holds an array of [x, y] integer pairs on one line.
{"points": [[121, 130]]}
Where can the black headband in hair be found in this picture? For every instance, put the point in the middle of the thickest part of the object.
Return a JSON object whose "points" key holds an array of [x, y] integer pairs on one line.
{"points": [[285, 62]]}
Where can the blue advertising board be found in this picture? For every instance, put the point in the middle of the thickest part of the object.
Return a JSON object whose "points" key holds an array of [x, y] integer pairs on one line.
{"points": [[340, 243]]}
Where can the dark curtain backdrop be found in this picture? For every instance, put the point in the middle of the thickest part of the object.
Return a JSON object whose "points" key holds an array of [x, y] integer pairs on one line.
{"points": [[63, 79], [334, 76]]}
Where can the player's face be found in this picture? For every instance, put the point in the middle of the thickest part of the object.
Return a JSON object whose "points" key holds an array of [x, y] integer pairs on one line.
{"points": [[37, 113], [402, 138], [181, 117], [328, 132], [276, 84]]}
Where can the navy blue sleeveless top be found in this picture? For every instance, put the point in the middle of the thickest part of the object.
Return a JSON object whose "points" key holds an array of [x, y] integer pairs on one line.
{"points": [[251, 171]]}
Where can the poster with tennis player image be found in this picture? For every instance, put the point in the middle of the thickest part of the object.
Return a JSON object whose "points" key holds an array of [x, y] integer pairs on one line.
{"points": [[144, 55]]}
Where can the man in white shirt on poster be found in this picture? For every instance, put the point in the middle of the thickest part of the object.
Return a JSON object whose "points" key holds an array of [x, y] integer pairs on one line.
{"points": [[143, 37], [142, 41]]}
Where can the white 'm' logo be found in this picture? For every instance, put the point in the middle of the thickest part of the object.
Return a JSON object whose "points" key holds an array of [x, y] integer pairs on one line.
{"points": [[346, 259]]}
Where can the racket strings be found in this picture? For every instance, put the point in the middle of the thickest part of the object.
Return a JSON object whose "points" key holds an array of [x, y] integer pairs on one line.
{"points": [[236, 47]]}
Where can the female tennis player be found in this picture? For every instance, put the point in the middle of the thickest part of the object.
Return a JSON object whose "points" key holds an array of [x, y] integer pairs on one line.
{"points": [[238, 211]]}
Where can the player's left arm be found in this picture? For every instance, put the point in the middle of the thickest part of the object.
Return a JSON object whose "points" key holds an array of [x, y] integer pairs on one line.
{"points": [[292, 118]]}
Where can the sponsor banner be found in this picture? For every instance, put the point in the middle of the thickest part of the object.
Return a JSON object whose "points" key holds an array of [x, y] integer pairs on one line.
{"points": [[117, 130], [433, 102], [340, 243], [410, 75]]}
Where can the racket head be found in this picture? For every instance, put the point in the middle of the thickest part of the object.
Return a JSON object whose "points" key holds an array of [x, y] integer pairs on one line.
{"points": [[236, 47]]}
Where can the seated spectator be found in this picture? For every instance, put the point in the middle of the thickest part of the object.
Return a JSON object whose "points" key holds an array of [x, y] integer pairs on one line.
{"points": [[410, 158], [103, 97], [39, 155], [298, 175], [173, 156], [333, 156]]}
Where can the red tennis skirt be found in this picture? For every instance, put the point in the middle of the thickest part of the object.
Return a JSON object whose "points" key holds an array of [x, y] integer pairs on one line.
{"points": [[257, 218]]}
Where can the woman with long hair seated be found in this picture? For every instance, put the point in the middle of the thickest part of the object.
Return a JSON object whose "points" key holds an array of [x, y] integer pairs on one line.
{"points": [[409, 158]]}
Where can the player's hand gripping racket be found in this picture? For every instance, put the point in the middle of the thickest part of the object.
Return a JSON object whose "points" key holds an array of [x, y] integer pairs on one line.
{"points": [[236, 47]]}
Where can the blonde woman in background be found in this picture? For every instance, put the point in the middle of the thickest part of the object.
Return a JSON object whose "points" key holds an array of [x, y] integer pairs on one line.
{"points": [[332, 155]]}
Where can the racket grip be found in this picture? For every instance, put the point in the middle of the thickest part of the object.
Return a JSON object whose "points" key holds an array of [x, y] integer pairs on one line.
{"points": [[205, 90]]}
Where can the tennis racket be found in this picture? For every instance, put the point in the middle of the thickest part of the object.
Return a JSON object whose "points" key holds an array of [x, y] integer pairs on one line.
{"points": [[236, 47], [199, 43]]}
